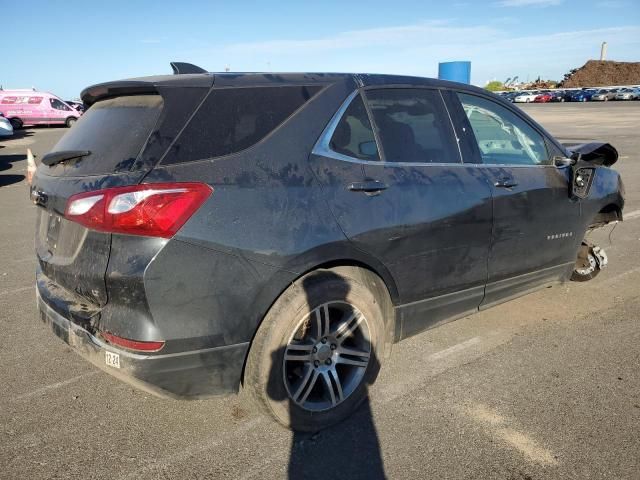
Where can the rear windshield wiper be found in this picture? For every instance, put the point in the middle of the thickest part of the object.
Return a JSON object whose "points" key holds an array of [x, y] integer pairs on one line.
{"points": [[52, 158]]}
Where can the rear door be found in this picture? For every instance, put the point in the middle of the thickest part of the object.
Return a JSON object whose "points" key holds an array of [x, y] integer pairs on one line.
{"points": [[431, 225], [126, 136], [537, 228], [401, 193]]}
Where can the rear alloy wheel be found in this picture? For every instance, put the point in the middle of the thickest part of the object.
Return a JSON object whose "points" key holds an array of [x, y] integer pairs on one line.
{"points": [[70, 122], [326, 357], [317, 350]]}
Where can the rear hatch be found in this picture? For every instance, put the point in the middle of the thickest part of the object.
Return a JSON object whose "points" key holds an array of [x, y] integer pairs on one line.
{"points": [[126, 135]]}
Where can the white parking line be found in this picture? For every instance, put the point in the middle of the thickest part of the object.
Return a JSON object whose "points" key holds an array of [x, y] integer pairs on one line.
{"points": [[193, 450], [454, 349], [53, 386], [17, 290], [631, 215], [412, 380], [497, 425]]}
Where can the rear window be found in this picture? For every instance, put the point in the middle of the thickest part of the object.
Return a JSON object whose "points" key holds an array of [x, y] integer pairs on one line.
{"points": [[234, 119], [114, 131]]}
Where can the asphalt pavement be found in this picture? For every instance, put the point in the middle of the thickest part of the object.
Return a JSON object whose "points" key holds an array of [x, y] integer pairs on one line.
{"points": [[546, 386]]}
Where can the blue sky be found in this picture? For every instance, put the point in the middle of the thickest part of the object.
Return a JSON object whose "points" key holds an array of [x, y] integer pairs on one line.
{"points": [[64, 46]]}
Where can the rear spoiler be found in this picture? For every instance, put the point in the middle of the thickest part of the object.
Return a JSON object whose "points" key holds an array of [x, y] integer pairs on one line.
{"points": [[596, 153], [185, 75], [181, 68]]}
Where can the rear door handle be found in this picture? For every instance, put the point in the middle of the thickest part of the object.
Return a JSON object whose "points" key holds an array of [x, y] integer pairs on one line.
{"points": [[506, 183], [373, 186]]}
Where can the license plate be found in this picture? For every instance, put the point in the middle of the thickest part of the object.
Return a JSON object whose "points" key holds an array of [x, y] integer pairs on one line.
{"points": [[112, 359]]}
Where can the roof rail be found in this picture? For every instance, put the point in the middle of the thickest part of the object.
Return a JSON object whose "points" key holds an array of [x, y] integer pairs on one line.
{"points": [[180, 68]]}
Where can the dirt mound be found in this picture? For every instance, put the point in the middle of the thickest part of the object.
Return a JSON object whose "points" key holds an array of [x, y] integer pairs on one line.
{"points": [[595, 73]]}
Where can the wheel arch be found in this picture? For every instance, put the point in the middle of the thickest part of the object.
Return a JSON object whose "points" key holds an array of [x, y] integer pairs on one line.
{"points": [[358, 270], [612, 212]]}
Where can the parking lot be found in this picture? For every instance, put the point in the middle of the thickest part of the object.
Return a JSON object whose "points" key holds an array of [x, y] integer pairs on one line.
{"points": [[546, 386]]}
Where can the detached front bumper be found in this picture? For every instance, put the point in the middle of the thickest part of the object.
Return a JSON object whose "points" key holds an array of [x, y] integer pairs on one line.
{"points": [[193, 374]]}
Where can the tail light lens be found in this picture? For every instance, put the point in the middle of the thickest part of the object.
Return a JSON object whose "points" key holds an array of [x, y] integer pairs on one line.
{"points": [[153, 210], [132, 344]]}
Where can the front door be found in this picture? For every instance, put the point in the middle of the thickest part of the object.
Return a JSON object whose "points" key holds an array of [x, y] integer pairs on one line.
{"points": [[537, 227]]}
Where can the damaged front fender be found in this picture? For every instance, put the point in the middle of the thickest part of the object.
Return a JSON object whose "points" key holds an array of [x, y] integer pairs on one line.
{"points": [[595, 153]]}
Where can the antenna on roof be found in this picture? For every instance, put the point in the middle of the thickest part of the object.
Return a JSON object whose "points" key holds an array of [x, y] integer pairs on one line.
{"points": [[181, 68]]}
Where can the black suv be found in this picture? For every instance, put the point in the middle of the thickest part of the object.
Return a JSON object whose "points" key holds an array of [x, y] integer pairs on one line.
{"points": [[199, 232]]}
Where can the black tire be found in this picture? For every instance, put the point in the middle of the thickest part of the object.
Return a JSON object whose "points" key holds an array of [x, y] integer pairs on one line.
{"points": [[266, 374], [16, 123], [70, 122]]}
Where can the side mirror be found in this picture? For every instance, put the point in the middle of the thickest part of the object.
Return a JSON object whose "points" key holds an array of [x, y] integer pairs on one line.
{"points": [[369, 149], [563, 161]]}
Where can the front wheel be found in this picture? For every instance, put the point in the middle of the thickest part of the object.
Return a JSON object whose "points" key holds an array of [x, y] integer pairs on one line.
{"points": [[591, 259], [70, 122], [317, 350]]}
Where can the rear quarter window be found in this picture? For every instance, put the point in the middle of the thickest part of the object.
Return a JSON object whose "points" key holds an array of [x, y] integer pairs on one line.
{"points": [[234, 119]]}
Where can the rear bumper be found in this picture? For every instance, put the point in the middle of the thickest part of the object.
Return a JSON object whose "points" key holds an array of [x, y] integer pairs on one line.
{"points": [[192, 374]]}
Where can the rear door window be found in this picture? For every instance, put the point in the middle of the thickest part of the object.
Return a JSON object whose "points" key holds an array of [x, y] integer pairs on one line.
{"points": [[114, 131], [413, 125], [503, 137], [234, 119]]}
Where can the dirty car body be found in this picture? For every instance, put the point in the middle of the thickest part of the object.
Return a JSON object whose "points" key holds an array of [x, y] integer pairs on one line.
{"points": [[456, 200]]}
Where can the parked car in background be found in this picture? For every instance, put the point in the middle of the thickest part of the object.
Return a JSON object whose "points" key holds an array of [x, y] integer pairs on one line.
{"points": [[628, 94], [603, 95], [543, 98], [200, 232], [509, 96], [30, 107], [6, 129], [559, 96], [525, 97], [581, 95], [79, 106]]}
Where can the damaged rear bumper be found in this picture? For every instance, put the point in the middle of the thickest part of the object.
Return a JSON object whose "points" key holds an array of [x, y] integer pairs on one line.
{"points": [[192, 374]]}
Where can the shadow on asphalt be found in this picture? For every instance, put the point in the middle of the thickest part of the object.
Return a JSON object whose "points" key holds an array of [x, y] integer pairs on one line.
{"points": [[18, 134], [349, 449], [10, 179], [9, 159]]}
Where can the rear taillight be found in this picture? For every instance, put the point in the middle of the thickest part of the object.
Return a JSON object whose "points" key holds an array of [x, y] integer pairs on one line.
{"points": [[153, 210], [132, 344]]}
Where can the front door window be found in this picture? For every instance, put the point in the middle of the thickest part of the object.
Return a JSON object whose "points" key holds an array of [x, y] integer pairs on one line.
{"points": [[58, 105], [503, 137]]}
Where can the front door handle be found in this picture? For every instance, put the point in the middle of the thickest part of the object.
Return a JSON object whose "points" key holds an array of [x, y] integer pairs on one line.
{"points": [[373, 186], [506, 183]]}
